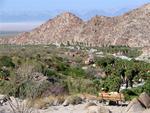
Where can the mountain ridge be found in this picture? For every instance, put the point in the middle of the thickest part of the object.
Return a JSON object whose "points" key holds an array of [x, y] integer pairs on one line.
{"points": [[131, 29]]}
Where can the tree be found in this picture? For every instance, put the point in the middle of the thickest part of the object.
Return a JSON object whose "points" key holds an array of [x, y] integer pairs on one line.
{"points": [[147, 86], [112, 83], [129, 78]]}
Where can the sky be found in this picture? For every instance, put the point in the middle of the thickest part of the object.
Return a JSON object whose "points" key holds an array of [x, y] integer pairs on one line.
{"points": [[38, 11], [42, 5]]}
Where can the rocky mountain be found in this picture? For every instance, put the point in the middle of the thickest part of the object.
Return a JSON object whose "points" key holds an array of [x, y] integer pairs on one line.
{"points": [[131, 29]]}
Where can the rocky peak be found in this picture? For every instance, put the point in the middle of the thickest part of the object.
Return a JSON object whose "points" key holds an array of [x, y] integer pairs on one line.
{"points": [[100, 20], [68, 17], [139, 12], [146, 7]]}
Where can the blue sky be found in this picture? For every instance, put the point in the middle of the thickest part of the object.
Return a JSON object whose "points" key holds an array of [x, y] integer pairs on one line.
{"points": [[42, 5], [35, 12]]}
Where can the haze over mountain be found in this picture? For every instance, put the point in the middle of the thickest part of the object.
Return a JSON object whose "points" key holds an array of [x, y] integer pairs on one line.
{"points": [[130, 29], [17, 14], [27, 21], [36, 16]]}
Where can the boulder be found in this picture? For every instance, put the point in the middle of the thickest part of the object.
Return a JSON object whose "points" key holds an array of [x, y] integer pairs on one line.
{"points": [[97, 109], [1, 99], [4, 99], [90, 104], [146, 111], [134, 107], [74, 100], [144, 98]]}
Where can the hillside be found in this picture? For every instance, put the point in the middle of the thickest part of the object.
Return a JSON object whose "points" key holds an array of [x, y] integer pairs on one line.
{"points": [[131, 29]]}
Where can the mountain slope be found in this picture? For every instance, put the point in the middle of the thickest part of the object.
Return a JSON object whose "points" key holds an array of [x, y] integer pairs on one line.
{"points": [[131, 29]]}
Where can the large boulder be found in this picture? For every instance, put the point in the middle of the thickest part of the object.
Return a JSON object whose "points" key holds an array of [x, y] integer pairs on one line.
{"points": [[134, 107], [144, 98], [146, 111], [93, 108]]}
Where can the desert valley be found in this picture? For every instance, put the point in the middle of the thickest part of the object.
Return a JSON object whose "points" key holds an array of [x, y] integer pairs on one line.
{"points": [[69, 65]]}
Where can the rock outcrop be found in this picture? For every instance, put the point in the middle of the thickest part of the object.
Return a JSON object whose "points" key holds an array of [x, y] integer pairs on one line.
{"points": [[93, 108], [139, 105], [134, 107], [144, 98]]}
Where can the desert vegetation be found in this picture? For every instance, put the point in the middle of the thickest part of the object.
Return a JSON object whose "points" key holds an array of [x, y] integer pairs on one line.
{"points": [[41, 71]]}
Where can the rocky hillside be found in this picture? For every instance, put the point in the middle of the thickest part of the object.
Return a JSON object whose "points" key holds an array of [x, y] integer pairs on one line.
{"points": [[132, 29]]}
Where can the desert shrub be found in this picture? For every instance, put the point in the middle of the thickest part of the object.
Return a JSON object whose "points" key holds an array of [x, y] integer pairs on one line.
{"points": [[97, 84], [23, 87], [147, 86], [104, 62], [56, 90], [62, 66], [38, 90], [112, 83], [129, 94], [4, 73], [78, 59], [5, 87], [6, 61], [134, 92], [91, 73], [30, 89], [49, 72], [80, 85], [76, 72], [133, 53]]}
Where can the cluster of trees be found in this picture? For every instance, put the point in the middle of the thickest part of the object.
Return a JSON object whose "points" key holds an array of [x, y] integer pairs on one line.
{"points": [[120, 72], [124, 50]]}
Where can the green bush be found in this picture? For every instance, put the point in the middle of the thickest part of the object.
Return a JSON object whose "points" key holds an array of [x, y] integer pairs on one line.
{"points": [[129, 94], [132, 93], [6, 61], [4, 73], [147, 86], [76, 72], [112, 83]]}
